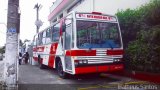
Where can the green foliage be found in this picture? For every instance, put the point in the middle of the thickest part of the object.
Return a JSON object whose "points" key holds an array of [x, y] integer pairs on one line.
{"points": [[151, 12], [143, 18], [141, 36], [144, 53]]}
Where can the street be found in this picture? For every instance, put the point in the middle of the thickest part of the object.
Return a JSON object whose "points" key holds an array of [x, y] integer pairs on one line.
{"points": [[80, 37], [33, 78]]}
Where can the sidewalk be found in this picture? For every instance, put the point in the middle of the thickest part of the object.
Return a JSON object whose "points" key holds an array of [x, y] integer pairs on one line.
{"points": [[1, 71]]}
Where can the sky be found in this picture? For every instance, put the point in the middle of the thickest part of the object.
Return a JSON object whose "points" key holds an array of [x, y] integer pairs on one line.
{"points": [[28, 15]]}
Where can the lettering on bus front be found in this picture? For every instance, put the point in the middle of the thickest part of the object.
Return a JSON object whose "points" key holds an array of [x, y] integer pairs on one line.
{"points": [[100, 17]]}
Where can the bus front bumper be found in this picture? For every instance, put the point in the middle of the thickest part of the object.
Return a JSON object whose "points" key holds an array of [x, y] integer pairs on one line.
{"points": [[99, 68]]}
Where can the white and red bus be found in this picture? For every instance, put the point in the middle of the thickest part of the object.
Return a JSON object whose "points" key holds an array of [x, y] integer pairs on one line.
{"points": [[81, 43]]}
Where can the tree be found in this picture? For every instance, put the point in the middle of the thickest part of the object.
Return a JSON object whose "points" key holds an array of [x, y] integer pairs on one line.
{"points": [[141, 35]]}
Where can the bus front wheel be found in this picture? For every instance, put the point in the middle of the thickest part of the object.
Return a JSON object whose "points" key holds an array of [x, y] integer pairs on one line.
{"points": [[61, 73]]}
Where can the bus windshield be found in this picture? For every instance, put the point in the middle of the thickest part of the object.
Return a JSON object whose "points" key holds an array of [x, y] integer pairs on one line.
{"points": [[91, 34]]}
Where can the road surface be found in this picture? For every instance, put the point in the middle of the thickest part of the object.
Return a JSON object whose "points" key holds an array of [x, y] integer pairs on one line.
{"points": [[33, 78]]}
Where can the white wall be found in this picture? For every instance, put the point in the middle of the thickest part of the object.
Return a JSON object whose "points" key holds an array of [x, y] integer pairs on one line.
{"points": [[108, 6], [85, 6], [112, 6], [105, 6]]}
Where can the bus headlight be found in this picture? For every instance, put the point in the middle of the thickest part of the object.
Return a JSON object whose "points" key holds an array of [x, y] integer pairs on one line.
{"points": [[85, 61], [116, 60], [80, 62]]}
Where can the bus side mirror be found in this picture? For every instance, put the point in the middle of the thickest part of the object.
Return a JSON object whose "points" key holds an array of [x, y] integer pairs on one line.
{"points": [[63, 27]]}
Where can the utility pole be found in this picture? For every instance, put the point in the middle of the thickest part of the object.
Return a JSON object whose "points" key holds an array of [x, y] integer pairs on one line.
{"points": [[12, 45], [93, 5], [38, 23]]}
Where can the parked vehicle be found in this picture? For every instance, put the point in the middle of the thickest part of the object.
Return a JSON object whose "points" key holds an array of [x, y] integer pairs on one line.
{"points": [[81, 43]]}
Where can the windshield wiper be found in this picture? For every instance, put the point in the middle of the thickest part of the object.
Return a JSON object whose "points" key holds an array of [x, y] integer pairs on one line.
{"points": [[110, 45], [90, 48]]}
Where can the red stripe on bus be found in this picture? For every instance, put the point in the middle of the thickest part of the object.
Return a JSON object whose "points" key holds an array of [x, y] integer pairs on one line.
{"points": [[38, 49], [34, 49], [35, 58], [83, 70], [52, 54], [97, 69], [115, 52], [81, 53]]}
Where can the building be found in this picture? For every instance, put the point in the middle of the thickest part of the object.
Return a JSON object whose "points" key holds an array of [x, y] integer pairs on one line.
{"points": [[61, 7]]}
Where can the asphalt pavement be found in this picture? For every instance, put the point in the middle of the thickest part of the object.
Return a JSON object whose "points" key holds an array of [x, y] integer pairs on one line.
{"points": [[34, 78]]}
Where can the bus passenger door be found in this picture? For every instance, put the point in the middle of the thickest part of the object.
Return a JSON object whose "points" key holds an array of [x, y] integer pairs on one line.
{"points": [[67, 44]]}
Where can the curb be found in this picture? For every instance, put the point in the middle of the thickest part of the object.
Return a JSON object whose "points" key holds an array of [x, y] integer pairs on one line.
{"points": [[155, 78]]}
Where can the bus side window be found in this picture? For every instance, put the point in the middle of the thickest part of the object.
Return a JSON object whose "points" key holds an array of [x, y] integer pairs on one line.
{"points": [[55, 32], [48, 36], [52, 31], [40, 38], [44, 38], [68, 36]]}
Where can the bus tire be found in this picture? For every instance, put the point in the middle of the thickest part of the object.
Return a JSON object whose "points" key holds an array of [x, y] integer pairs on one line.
{"points": [[61, 73]]}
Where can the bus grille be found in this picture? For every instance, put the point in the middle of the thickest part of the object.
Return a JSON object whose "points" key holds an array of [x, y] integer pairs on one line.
{"points": [[101, 57]]}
